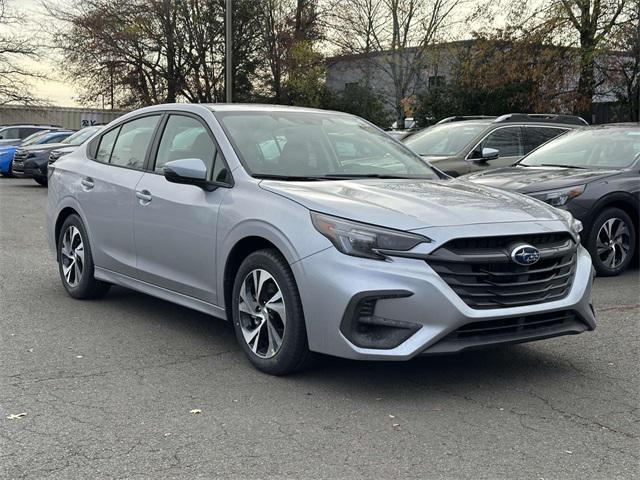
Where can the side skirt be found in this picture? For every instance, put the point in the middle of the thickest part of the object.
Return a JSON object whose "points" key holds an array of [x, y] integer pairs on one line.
{"points": [[159, 292]]}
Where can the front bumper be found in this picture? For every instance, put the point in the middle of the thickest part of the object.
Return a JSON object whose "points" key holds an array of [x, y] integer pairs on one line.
{"points": [[29, 168], [416, 295]]}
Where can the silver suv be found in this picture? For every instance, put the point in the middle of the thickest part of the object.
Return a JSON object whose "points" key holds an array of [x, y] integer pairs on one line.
{"points": [[311, 231]]}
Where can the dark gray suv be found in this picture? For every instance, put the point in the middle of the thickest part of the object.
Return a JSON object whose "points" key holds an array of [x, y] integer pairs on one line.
{"points": [[460, 145]]}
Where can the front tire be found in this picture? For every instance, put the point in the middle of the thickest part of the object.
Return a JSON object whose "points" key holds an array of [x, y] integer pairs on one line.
{"points": [[612, 242], [75, 262], [267, 314], [41, 181]]}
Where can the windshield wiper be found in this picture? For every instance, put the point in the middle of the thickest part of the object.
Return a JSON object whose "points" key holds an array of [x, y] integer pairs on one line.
{"points": [[349, 176], [290, 178], [560, 165]]}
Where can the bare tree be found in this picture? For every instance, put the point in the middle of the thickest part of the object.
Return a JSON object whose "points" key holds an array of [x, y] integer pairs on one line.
{"points": [[15, 78], [588, 25], [144, 52], [398, 32]]}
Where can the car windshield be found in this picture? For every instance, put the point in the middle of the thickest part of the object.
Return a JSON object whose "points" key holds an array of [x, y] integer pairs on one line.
{"points": [[591, 148], [312, 145], [81, 136], [446, 140], [33, 138]]}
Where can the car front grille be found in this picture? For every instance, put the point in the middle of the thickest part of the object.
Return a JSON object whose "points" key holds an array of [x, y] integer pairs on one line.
{"points": [[20, 156], [481, 272]]}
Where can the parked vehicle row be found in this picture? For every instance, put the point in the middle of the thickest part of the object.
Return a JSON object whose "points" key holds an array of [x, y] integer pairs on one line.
{"points": [[30, 158], [43, 137], [312, 231]]}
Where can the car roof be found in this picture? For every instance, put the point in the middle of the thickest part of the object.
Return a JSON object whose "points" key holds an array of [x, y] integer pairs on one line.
{"points": [[258, 107]]}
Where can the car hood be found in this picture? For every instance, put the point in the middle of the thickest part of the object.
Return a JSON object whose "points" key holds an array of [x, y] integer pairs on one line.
{"points": [[436, 158], [537, 179], [413, 204], [44, 146], [67, 148]]}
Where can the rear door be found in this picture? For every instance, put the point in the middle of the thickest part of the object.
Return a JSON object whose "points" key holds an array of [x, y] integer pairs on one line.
{"points": [[107, 192], [508, 141], [175, 224]]}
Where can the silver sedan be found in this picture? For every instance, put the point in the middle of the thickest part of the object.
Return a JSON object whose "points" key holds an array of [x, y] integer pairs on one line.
{"points": [[312, 231]]}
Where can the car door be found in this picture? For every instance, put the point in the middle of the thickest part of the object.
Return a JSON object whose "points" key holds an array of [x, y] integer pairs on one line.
{"points": [[509, 143], [175, 224], [107, 192]]}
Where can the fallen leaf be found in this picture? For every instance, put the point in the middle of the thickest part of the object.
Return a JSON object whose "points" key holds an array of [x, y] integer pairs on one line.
{"points": [[568, 451], [392, 416], [78, 356], [15, 416], [395, 425], [195, 411]]}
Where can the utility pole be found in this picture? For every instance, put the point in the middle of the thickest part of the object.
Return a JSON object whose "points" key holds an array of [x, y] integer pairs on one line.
{"points": [[228, 52]]}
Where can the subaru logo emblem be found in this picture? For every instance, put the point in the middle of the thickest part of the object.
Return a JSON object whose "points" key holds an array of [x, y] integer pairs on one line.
{"points": [[525, 255]]}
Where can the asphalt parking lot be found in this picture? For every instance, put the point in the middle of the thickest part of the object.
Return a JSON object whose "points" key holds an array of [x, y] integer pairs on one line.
{"points": [[108, 388]]}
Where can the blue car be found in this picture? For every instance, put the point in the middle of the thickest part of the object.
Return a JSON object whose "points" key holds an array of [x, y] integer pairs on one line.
{"points": [[38, 138]]}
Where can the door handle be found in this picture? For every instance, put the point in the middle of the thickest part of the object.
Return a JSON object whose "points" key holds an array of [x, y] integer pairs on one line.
{"points": [[87, 183], [144, 196]]}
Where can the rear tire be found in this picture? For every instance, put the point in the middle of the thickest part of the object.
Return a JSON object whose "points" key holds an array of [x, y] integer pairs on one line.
{"points": [[267, 314], [75, 262], [612, 242], [41, 181]]}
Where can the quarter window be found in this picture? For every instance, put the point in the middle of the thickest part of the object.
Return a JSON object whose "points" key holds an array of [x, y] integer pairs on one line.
{"points": [[106, 145], [133, 141]]}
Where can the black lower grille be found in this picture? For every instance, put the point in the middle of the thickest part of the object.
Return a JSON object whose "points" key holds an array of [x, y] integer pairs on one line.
{"points": [[538, 323], [484, 276]]}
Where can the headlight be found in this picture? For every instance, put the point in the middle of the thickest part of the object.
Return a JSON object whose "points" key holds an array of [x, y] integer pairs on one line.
{"points": [[574, 225], [560, 197], [361, 240]]}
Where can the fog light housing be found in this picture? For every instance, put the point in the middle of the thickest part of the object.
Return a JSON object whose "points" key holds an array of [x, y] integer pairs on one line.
{"points": [[365, 330]]}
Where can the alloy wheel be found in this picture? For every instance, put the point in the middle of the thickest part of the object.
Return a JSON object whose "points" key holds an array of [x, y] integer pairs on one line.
{"points": [[72, 256], [263, 315], [613, 242]]}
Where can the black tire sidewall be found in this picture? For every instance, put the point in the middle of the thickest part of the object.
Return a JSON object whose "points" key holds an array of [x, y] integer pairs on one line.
{"points": [[87, 286], [602, 217], [294, 349]]}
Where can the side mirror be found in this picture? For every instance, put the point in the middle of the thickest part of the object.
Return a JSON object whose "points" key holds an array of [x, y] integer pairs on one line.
{"points": [[189, 171], [490, 153]]}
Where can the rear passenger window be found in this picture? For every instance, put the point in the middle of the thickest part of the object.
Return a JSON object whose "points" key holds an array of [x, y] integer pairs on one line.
{"points": [[26, 131], [106, 145], [133, 141], [536, 136]]}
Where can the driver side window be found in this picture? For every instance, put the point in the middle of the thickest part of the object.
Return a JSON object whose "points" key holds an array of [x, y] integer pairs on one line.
{"points": [[185, 137], [508, 141]]}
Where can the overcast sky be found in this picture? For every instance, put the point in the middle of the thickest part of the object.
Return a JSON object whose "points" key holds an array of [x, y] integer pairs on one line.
{"points": [[55, 89]]}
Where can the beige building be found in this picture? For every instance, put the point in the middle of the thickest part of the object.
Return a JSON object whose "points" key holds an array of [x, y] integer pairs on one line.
{"points": [[67, 117]]}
